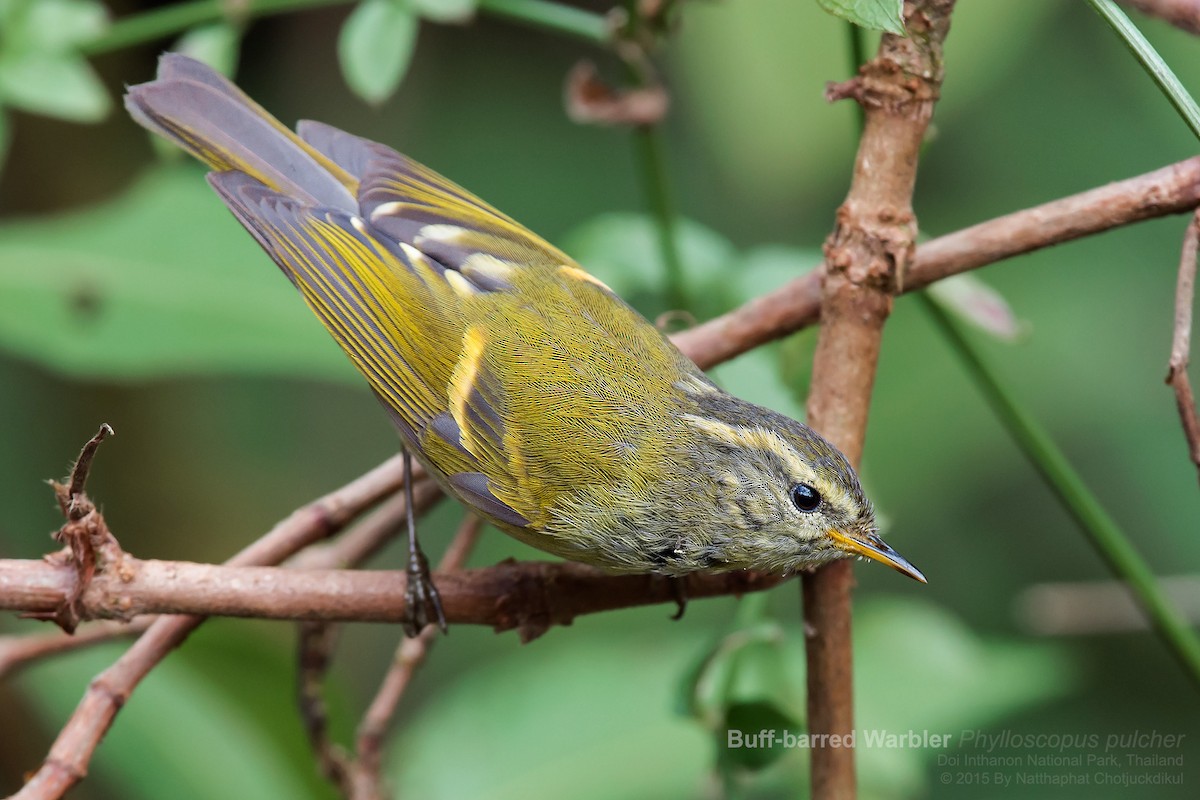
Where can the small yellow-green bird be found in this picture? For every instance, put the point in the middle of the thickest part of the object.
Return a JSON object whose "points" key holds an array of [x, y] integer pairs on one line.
{"points": [[528, 390]]}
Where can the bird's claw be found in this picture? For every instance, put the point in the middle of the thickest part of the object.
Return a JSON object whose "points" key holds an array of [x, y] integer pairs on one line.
{"points": [[422, 603]]}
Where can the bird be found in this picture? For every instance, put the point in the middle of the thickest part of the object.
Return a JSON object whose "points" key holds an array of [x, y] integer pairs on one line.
{"points": [[525, 386]]}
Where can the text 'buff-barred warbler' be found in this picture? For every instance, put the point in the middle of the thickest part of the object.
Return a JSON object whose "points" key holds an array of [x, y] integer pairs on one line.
{"points": [[527, 389]]}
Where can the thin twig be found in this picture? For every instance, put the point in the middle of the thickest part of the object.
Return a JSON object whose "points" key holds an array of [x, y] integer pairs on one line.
{"points": [[315, 647], [81, 470], [316, 639], [370, 534], [1173, 189], [410, 655], [1177, 377], [19, 650], [867, 256], [85, 536]]}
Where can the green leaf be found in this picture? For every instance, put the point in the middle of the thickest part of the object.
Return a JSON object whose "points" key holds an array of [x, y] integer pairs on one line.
{"points": [[703, 688], [919, 668], [757, 376], [879, 15], [446, 10], [56, 85], [54, 26], [215, 44], [740, 742], [158, 282], [565, 717], [623, 250], [179, 722], [375, 47], [979, 304]]}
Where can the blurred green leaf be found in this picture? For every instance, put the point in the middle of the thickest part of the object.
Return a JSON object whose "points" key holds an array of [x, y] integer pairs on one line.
{"points": [[879, 15], [216, 45], [54, 84], [756, 376], [742, 684], [979, 304], [446, 10], [704, 687], [765, 269], [376, 45], [565, 717], [921, 669], [171, 734], [759, 695], [623, 250], [536, 725], [160, 281], [769, 267], [744, 724], [51, 25]]}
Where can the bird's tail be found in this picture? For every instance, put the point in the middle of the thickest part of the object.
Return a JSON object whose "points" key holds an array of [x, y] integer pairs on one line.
{"points": [[216, 122]]}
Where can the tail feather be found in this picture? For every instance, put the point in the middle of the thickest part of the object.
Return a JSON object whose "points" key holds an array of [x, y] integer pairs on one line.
{"points": [[213, 120], [352, 153]]}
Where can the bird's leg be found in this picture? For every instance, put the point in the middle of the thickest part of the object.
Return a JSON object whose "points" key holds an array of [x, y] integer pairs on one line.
{"points": [[680, 595], [422, 603]]}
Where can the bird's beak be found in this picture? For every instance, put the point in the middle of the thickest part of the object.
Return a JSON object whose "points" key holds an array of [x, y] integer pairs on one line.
{"points": [[873, 547]]}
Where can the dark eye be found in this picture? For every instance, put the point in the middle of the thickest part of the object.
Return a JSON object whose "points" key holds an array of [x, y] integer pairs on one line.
{"points": [[805, 497]]}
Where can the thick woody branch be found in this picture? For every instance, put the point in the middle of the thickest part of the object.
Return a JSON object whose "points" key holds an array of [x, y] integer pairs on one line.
{"points": [[352, 548], [72, 750], [1174, 189], [528, 596], [1177, 376], [867, 258]]}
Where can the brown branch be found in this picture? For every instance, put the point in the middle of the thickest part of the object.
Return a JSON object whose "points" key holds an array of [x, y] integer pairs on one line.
{"points": [[355, 546], [1174, 189], [1183, 14], [71, 752], [316, 640], [314, 519], [315, 647], [19, 650], [528, 596], [410, 655], [866, 258], [84, 536], [1177, 377]]}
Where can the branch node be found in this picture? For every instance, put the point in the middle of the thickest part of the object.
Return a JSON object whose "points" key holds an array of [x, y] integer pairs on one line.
{"points": [[88, 544], [844, 90]]}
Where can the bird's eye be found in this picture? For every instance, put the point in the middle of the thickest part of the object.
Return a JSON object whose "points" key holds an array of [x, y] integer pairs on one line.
{"points": [[805, 497]]}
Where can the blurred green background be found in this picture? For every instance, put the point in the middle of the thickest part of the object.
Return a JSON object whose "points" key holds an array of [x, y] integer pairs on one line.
{"points": [[128, 295]]}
